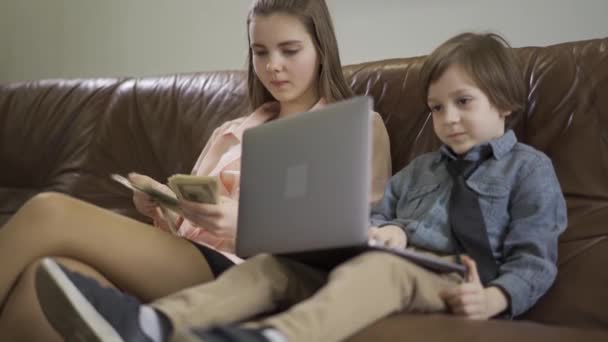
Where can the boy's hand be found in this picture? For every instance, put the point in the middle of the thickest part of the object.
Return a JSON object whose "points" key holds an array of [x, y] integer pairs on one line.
{"points": [[471, 299], [389, 236]]}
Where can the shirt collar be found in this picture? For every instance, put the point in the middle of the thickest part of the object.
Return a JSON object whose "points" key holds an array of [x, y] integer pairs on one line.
{"points": [[266, 112], [499, 146], [503, 145]]}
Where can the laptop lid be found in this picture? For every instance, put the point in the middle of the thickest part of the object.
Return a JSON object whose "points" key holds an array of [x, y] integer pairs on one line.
{"points": [[305, 181]]}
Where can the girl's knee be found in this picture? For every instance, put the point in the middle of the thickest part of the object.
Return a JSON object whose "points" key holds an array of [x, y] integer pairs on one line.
{"points": [[44, 210], [45, 204]]}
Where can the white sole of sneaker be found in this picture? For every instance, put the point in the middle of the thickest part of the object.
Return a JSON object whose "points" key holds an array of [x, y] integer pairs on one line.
{"points": [[67, 309]]}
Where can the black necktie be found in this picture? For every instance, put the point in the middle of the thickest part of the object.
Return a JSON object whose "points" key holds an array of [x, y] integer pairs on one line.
{"points": [[467, 223]]}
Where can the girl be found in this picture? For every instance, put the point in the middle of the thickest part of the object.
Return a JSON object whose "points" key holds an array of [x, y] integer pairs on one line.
{"points": [[293, 66]]}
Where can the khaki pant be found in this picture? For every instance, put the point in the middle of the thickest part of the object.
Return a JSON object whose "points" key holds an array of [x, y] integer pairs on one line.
{"points": [[322, 307]]}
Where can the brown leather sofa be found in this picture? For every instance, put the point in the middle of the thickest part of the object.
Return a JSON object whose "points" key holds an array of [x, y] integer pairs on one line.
{"points": [[69, 135]]}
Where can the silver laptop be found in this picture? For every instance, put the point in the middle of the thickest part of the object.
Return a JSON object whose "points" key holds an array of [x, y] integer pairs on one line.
{"points": [[305, 187], [305, 181]]}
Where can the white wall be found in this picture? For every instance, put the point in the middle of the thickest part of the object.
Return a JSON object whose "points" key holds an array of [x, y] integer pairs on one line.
{"points": [[414, 27], [89, 38]]}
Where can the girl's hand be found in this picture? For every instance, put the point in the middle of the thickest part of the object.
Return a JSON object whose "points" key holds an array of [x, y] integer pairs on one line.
{"points": [[220, 219], [471, 299], [389, 236], [143, 202], [146, 205]]}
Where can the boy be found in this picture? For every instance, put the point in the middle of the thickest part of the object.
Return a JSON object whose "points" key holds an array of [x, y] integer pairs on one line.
{"points": [[482, 194]]}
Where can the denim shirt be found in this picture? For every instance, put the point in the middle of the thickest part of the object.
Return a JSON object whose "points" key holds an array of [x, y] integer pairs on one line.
{"points": [[521, 202]]}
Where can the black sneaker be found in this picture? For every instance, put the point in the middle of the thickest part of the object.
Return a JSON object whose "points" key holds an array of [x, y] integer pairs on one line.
{"points": [[229, 334], [80, 309]]}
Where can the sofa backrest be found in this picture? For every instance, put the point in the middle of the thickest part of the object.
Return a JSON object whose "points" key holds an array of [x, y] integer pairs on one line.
{"points": [[45, 130]]}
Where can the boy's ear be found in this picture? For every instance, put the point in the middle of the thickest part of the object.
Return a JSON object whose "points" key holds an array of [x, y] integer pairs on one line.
{"points": [[505, 113]]}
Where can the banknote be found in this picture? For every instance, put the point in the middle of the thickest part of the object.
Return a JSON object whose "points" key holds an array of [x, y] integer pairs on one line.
{"points": [[200, 189], [166, 200]]}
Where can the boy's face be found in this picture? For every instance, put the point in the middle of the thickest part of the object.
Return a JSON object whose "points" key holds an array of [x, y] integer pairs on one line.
{"points": [[462, 114]]}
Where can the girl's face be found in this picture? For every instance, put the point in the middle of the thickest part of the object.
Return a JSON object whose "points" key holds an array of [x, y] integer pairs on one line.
{"points": [[285, 59], [462, 113]]}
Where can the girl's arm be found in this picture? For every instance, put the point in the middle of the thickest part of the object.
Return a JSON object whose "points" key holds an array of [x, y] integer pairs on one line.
{"points": [[381, 158]]}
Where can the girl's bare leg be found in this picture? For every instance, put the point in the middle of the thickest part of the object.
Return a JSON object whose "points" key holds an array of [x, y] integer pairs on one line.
{"points": [[137, 258], [22, 318]]}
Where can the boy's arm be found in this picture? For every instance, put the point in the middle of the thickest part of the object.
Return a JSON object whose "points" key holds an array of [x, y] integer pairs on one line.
{"points": [[537, 218], [471, 300], [381, 158], [385, 212]]}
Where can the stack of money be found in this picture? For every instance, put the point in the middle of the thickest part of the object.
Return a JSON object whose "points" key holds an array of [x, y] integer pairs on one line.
{"points": [[200, 189]]}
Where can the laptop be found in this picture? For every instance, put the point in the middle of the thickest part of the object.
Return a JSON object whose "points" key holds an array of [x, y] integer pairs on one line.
{"points": [[305, 188]]}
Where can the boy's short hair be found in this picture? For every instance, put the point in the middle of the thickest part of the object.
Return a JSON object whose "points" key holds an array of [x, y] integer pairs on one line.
{"points": [[489, 60]]}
